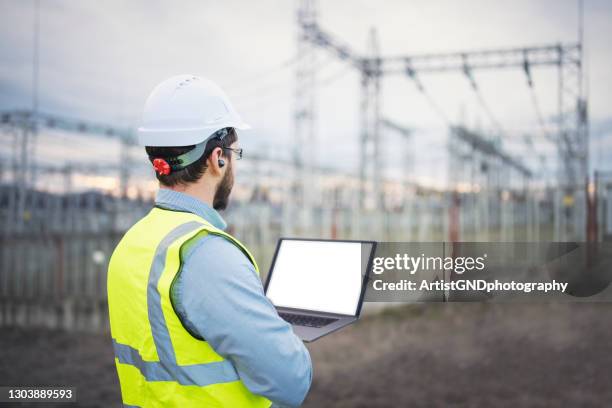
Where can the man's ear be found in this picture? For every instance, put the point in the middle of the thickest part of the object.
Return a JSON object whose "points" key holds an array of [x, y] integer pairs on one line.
{"points": [[216, 161]]}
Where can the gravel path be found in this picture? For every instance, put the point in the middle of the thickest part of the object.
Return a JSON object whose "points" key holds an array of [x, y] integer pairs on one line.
{"points": [[457, 355]]}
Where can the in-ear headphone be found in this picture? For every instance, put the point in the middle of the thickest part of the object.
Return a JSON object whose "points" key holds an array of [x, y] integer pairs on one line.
{"points": [[221, 162]]}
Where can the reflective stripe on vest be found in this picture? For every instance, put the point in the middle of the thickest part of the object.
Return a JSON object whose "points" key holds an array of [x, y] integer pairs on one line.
{"points": [[214, 372], [197, 374]]}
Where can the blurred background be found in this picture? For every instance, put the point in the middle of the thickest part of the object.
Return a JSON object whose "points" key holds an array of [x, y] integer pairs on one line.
{"points": [[403, 121]]}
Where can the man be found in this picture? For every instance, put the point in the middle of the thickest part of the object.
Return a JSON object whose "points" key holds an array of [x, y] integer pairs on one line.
{"points": [[190, 324]]}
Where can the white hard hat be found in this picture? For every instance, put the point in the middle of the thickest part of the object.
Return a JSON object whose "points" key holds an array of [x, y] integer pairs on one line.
{"points": [[186, 110]]}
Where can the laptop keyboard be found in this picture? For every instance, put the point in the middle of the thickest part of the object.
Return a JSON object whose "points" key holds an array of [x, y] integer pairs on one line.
{"points": [[308, 321]]}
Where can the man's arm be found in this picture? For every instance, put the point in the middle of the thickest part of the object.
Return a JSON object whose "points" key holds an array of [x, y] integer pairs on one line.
{"points": [[219, 296]]}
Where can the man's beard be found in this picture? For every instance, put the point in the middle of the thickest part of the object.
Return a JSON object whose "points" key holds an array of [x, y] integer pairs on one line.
{"points": [[221, 198]]}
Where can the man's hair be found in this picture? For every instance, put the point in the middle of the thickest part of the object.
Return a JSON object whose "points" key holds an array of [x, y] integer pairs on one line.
{"points": [[195, 170]]}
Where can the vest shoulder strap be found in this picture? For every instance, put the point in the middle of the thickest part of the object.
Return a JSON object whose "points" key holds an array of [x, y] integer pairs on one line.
{"points": [[211, 229]]}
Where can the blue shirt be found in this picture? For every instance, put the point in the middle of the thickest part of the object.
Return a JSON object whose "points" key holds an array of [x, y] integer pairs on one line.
{"points": [[219, 297]]}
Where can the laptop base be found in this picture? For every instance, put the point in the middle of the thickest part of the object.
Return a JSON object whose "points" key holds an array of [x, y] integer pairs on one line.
{"points": [[309, 334]]}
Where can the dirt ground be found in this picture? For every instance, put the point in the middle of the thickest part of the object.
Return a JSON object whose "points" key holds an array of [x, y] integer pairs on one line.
{"points": [[430, 355]]}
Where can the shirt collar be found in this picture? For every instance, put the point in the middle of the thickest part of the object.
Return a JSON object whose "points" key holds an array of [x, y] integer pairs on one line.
{"points": [[174, 200]]}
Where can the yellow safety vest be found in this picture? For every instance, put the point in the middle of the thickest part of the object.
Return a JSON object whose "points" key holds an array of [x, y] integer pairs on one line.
{"points": [[159, 363]]}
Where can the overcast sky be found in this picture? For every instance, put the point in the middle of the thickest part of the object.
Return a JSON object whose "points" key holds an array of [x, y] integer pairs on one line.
{"points": [[99, 61]]}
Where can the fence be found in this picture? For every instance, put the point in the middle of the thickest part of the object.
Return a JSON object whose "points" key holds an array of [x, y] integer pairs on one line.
{"points": [[53, 265]]}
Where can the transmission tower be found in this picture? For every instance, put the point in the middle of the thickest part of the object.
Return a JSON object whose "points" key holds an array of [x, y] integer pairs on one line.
{"points": [[304, 117], [22, 124], [370, 165], [571, 138]]}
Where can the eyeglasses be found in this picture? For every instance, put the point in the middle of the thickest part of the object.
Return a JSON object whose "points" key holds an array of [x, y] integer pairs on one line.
{"points": [[237, 151]]}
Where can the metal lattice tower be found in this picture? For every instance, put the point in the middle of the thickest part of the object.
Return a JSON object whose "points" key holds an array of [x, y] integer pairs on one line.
{"points": [[304, 115], [572, 120], [571, 123], [370, 165], [572, 135]]}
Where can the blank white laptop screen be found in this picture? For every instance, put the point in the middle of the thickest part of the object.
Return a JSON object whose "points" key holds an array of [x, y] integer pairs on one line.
{"points": [[323, 276]]}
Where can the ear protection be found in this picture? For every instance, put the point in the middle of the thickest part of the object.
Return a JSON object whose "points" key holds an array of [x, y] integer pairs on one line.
{"points": [[221, 162]]}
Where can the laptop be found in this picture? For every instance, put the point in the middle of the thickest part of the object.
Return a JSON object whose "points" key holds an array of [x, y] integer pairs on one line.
{"points": [[318, 285]]}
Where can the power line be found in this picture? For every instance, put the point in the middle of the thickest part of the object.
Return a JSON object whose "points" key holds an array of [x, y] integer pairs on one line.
{"points": [[436, 108], [536, 103], [265, 73], [485, 107], [330, 79], [467, 71], [255, 86], [411, 73], [276, 92]]}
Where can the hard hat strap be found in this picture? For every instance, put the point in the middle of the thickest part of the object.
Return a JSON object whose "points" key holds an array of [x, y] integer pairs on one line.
{"points": [[180, 162], [177, 163], [190, 157]]}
